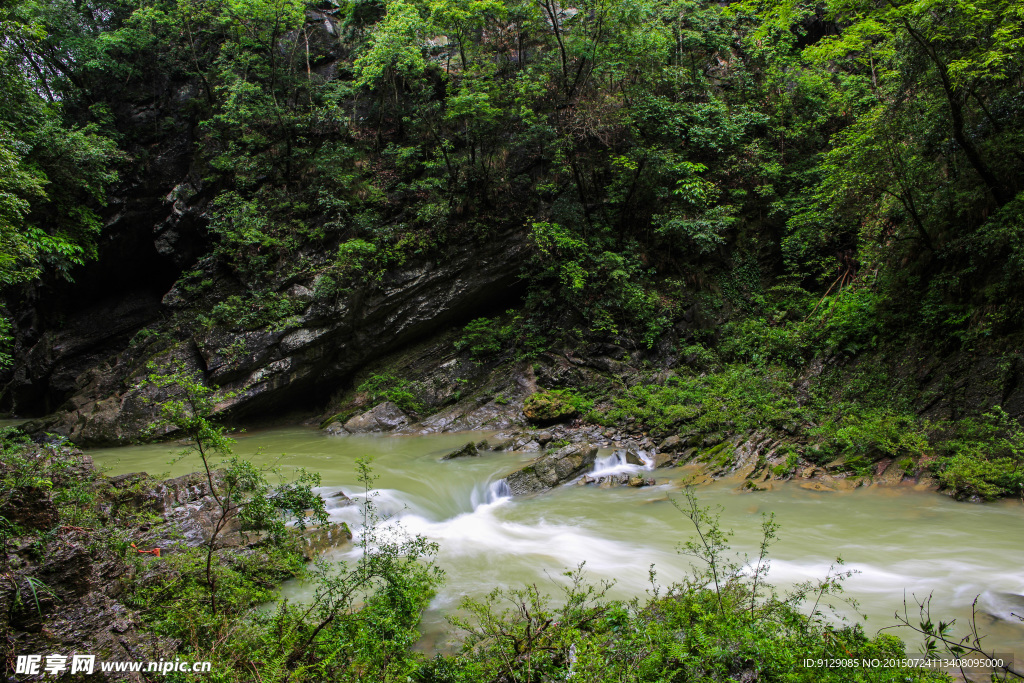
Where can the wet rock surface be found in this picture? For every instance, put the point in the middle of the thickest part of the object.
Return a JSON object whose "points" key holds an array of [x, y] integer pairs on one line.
{"points": [[756, 458], [385, 417], [468, 451], [336, 429], [553, 469], [31, 509]]}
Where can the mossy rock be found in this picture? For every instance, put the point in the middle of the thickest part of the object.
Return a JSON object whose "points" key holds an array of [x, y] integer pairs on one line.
{"points": [[548, 407], [467, 451], [340, 418]]}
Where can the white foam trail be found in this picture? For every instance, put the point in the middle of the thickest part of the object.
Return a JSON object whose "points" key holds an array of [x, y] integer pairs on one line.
{"points": [[616, 464], [499, 544], [1006, 606], [388, 503], [494, 493]]}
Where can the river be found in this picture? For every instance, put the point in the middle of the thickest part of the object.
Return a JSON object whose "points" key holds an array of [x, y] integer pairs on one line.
{"points": [[899, 541]]}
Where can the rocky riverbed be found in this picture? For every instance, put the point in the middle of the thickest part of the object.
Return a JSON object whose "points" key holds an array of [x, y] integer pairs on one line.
{"points": [[758, 459]]}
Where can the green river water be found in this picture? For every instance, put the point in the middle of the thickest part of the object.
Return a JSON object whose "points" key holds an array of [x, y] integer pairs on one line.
{"points": [[901, 542]]}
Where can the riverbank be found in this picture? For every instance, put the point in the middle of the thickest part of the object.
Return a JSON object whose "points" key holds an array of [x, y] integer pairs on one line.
{"points": [[898, 538], [483, 540]]}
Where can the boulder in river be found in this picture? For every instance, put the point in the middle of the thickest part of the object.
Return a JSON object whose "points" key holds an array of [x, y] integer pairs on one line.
{"points": [[385, 417], [315, 540], [665, 459], [338, 500], [336, 429], [551, 470], [467, 451], [633, 458]]}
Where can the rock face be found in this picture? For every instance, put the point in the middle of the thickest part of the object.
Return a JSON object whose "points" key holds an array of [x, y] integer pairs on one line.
{"points": [[672, 444], [187, 513], [185, 505], [551, 470], [314, 541], [80, 611], [385, 417], [467, 416], [30, 508], [267, 368], [633, 458]]}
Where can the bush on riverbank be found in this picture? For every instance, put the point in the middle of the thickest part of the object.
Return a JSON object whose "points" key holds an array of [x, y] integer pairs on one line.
{"points": [[682, 636]]}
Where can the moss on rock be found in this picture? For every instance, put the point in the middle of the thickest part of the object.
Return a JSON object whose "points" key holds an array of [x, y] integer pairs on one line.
{"points": [[548, 407]]}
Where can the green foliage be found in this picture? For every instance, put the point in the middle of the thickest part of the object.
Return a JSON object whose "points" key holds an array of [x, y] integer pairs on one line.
{"points": [[395, 46], [360, 623], [176, 603], [484, 337], [253, 310], [555, 405], [872, 434], [609, 289], [55, 168], [55, 472], [387, 387], [354, 255], [984, 457], [735, 399], [242, 491]]}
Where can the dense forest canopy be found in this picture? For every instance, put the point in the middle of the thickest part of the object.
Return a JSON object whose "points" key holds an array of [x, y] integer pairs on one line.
{"points": [[646, 144]]}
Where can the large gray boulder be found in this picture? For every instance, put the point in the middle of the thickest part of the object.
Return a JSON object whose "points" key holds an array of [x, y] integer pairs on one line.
{"points": [[385, 417], [551, 470]]}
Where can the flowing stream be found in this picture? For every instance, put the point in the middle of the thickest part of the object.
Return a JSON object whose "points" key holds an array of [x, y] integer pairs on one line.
{"points": [[901, 542]]}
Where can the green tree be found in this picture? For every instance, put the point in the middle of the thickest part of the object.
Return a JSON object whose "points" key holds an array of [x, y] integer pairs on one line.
{"points": [[242, 491]]}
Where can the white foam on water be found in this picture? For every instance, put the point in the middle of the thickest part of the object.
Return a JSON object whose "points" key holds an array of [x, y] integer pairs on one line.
{"points": [[494, 493], [1003, 605], [615, 464]]}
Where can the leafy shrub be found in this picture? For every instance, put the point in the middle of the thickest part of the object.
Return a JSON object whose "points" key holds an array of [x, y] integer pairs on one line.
{"points": [[735, 399], [253, 310], [851, 320], [387, 387], [325, 288], [483, 337], [354, 255], [359, 624], [873, 433], [985, 458], [247, 238], [764, 341]]}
